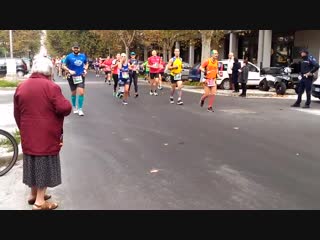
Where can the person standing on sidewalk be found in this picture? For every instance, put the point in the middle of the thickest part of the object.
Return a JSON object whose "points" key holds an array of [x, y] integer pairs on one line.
{"points": [[243, 78], [76, 65], [308, 66], [210, 68], [229, 69], [235, 74], [39, 118], [175, 67]]}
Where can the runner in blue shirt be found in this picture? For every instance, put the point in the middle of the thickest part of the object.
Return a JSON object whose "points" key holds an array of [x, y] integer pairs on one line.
{"points": [[124, 80], [76, 65]]}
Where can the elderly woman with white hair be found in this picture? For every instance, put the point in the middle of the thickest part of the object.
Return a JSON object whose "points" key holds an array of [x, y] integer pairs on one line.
{"points": [[39, 111]]}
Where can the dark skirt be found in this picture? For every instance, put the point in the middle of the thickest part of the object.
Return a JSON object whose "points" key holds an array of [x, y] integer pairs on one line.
{"points": [[41, 171]]}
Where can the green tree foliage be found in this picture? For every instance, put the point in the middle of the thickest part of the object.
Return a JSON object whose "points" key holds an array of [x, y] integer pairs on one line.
{"points": [[24, 42], [59, 42]]}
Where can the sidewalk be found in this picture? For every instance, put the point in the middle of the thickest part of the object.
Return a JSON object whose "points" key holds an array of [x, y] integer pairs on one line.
{"points": [[12, 191], [7, 121], [251, 93]]}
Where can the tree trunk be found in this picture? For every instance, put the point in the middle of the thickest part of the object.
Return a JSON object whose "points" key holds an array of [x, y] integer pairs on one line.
{"points": [[206, 41], [145, 53], [170, 53], [191, 53], [127, 51], [177, 45], [165, 57]]}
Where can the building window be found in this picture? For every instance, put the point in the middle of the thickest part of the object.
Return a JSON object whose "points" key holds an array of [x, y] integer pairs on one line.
{"points": [[282, 49]]}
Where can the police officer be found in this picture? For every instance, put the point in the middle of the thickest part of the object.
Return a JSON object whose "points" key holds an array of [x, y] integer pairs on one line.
{"points": [[308, 66]]}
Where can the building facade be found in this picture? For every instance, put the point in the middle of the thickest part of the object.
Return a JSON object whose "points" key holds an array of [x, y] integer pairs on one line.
{"points": [[271, 48]]}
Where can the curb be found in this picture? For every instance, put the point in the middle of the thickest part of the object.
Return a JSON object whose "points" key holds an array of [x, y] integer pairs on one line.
{"points": [[249, 95], [7, 88]]}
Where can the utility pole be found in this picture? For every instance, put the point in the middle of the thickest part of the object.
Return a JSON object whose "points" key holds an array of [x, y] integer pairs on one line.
{"points": [[11, 63], [11, 47]]}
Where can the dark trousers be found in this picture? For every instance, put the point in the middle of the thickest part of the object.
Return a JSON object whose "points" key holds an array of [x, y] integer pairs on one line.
{"points": [[235, 82], [230, 80], [305, 84], [236, 86], [244, 89], [134, 79], [115, 79]]}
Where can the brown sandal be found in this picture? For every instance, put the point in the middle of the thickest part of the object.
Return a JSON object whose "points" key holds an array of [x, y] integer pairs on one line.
{"points": [[45, 206], [33, 200]]}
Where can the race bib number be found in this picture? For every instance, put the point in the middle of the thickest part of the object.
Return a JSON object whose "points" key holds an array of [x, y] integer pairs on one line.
{"points": [[125, 75], [77, 79], [134, 67], [210, 83], [177, 77], [107, 68], [155, 65]]}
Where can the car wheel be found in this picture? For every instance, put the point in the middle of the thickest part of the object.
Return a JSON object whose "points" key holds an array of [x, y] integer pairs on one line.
{"points": [[281, 88], [20, 74], [264, 86], [225, 84]]}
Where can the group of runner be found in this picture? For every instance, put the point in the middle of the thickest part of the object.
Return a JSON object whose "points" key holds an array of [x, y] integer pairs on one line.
{"points": [[124, 71]]}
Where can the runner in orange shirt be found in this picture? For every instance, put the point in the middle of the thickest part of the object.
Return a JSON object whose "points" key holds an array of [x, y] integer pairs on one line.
{"points": [[210, 68]]}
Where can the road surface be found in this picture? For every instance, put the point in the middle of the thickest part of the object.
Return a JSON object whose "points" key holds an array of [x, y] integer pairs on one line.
{"points": [[248, 154]]}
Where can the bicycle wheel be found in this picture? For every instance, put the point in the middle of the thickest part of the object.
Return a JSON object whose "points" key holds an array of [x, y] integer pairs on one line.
{"points": [[8, 152]]}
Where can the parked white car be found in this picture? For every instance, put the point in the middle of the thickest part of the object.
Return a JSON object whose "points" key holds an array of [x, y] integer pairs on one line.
{"points": [[254, 79], [316, 88]]}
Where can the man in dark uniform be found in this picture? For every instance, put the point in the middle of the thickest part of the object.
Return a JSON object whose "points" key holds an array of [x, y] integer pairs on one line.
{"points": [[308, 66]]}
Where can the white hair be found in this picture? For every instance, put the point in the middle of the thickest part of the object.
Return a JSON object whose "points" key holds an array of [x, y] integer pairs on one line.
{"points": [[43, 66]]}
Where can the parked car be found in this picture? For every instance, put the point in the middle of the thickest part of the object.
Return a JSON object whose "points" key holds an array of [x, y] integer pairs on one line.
{"points": [[316, 88], [21, 66], [185, 72], [255, 77]]}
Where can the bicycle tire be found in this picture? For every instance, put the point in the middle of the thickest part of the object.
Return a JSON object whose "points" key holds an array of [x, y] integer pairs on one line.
{"points": [[15, 151]]}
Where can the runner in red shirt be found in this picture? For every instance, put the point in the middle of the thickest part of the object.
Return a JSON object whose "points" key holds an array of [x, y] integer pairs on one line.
{"points": [[153, 64], [106, 64], [115, 73]]}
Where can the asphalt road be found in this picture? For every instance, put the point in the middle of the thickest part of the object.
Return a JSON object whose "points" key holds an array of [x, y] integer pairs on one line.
{"points": [[248, 154]]}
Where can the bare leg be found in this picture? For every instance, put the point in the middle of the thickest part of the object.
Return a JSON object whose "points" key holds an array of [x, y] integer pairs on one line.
{"points": [[173, 90], [151, 84], [206, 93], [40, 196], [126, 92], [180, 85], [33, 193]]}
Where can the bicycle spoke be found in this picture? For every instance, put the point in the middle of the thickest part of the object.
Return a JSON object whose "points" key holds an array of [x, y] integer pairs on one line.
{"points": [[8, 152]]}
